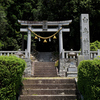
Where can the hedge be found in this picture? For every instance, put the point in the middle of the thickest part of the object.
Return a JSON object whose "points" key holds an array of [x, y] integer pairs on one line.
{"points": [[11, 70], [89, 79]]}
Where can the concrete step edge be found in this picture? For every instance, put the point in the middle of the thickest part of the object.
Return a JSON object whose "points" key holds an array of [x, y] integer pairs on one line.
{"points": [[49, 89], [71, 72], [49, 78], [51, 84], [48, 95]]}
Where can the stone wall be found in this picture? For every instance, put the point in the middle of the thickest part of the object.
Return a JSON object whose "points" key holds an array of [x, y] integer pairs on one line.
{"points": [[65, 64], [28, 69]]}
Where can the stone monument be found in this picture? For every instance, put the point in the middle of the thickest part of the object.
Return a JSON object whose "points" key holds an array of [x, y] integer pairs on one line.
{"points": [[84, 33]]}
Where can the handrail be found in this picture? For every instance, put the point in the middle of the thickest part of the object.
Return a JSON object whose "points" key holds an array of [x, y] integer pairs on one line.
{"points": [[64, 54], [25, 54]]}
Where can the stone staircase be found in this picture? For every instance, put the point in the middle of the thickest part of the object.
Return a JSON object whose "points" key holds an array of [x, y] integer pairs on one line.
{"points": [[48, 89], [44, 69], [44, 56]]}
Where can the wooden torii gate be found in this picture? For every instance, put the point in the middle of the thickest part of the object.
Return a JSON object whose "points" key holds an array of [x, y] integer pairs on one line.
{"points": [[44, 28]]}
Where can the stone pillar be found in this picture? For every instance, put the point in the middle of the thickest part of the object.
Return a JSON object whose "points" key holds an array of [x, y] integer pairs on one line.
{"points": [[98, 52], [22, 41], [84, 33], [60, 41], [29, 41]]}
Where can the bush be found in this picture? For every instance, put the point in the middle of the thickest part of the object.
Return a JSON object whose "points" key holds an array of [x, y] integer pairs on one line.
{"points": [[94, 46], [89, 79], [11, 70]]}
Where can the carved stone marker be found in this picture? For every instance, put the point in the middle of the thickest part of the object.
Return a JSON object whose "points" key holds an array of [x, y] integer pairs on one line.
{"points": [[85, 40]]}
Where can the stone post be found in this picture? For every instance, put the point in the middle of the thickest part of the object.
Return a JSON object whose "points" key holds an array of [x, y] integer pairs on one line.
{"points": [[98, 52], [29, 41], [60, 41], [85, 39], [23, 42], [63, 53], [26, 53]]}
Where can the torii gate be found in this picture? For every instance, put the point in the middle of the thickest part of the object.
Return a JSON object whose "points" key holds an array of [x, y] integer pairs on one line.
{"points": [[44, 28]]}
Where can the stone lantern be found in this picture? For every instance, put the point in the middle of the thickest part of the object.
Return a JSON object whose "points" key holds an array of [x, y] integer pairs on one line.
{"points": [[71, 54], [19, 54]]}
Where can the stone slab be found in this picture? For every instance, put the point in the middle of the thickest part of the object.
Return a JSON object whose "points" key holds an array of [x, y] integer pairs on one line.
{"points": [[72, 69]]}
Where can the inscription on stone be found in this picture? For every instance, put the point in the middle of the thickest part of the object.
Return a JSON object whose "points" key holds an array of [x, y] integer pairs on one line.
{"points": [[86, 52], [85, 20], [85, 30], [85, 41]]}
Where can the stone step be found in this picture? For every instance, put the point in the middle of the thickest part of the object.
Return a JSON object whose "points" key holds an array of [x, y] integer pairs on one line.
{"points": [[44, 56], [71, 74], [45, 72], [48, 69], [53, 73], [72, 69], [49, 75], [48, 91], [48, 97], [50, 86], [45, 75], [48, 72], [44, 63], [48, 81], [45, 67]]}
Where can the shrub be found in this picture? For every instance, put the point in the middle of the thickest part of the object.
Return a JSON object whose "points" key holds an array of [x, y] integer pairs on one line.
{"points": [[11, 70], [94, 46], [89, 79]]}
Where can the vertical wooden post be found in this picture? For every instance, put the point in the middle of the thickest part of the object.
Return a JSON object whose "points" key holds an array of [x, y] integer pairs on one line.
{"points": [[29, 41]]}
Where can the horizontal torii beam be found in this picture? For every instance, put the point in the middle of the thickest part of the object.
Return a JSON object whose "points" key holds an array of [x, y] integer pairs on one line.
{"points": [[40, 23], [41, 30]]}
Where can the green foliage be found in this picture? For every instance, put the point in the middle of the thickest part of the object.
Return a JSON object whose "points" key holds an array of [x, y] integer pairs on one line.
{"points": [[3, 20], [52, 10], [94, 46], [89, 79], [1, 45], [11, 70]]}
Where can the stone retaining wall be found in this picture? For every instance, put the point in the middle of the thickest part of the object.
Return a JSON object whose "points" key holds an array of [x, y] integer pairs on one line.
{"points": [[65, 64], [28, 69]]}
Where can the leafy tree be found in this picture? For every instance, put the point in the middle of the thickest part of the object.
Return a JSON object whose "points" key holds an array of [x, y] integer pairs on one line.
{"points": [[52, 10], [3, 23]]}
